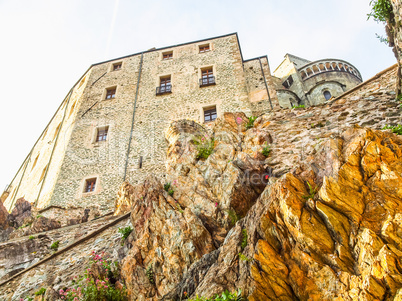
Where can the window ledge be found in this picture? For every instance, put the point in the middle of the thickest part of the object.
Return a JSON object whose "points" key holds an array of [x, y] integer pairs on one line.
{"points": [[85, 194], [163, 93], [207, 85]]}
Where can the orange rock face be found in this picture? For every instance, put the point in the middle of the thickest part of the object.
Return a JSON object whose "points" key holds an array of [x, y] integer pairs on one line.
{"points": [[331, 229], [166, 241], [341, 243]]}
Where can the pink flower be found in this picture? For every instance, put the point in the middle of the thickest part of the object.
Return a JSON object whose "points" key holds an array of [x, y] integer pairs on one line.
{"points": [[239, 120], [216, 204], [61, 291]]}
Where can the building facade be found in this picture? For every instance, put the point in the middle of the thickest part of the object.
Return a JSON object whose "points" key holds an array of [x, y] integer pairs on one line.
{"points": [[302, 82], [110, 126]]}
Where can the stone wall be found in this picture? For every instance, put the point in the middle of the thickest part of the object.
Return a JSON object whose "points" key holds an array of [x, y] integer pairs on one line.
{"points": [[297, 133], [59, 270], [36, 177], [286, 69], [20, 253], [257, 91]]}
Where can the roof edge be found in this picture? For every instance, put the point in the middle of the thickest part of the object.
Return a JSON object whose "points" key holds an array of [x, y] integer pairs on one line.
{"points": [[166, 47], [364, 83]]}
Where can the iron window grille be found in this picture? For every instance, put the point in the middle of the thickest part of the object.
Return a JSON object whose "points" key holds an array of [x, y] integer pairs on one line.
{"points": [[165, 86], [90, 185], [207, 78], [210, 115]]}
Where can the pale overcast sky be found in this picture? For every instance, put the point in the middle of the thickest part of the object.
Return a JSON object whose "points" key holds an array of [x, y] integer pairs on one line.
{"points": [[47, 45]]}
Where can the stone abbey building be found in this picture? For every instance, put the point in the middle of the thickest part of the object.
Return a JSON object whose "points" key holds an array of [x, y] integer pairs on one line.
{"points": [[302, 82], [109, 128]]}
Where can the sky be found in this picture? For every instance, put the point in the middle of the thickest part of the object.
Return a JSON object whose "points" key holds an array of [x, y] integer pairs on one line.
{"points": [[46, 45]]}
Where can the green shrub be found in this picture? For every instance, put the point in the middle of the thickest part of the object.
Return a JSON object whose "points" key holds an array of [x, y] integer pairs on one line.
{"points": [[31, 237], [243, 257], [234, 218], [41, 292], [125, 232], [167, 186], [397, 129], [266, 150], [205, 147], [298, 107], [399, 98], [381, 10], [39, 215], [250, 122], [25, 225], [55, 245], [150, 274], [90, 288], [225, 296], [179, 208], [171, 192], [312, 192], [244, 239]]}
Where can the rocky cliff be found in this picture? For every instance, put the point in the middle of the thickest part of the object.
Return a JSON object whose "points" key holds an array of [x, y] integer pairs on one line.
{"points": [[302, 204]]}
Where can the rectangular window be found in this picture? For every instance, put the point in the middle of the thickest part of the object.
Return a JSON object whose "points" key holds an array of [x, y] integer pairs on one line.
{"points": [[204, 48], [117, 66], [165, 86], [110, 93], [288, 82], [101, 134], [90, 185], [207, 77], [167, 55], [210, 114]]}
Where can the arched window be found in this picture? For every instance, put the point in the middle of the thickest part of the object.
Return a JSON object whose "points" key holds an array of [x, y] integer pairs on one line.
{"points": [[327, 95]]}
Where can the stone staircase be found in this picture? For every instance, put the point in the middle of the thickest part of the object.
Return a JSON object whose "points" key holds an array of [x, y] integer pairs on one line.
{"points": [[20, 253]]}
